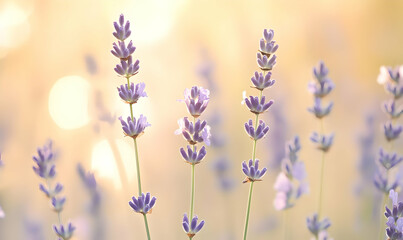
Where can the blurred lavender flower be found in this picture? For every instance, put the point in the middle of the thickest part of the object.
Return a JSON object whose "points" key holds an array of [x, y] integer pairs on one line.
{"points": [[381, 182], [191, 228], [65, 232], [315, 226], [122, 51], [321, 72], [256, 106], [90, 184], [257, 134], [388, 160], [320, 111], [261, 82], [264, 63], [392, 110], [46, 169], [196, 100], [292, 170], [133, 94], [127, 68], [320, 89], [391, 132], [394, 224], [143, 204], [194, 133], [122, 29], [322, 142], [252, 171], [134, 128], [192, 156]]}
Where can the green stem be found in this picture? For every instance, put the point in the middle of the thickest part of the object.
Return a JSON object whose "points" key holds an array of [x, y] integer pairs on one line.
{"points": [[245, 232], [322, 170], [192, 191], [146, 224], [137, 166]]}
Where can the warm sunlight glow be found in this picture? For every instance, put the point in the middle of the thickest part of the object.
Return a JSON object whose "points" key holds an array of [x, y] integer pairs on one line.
{"points": [[104, 160], [68, 102]]}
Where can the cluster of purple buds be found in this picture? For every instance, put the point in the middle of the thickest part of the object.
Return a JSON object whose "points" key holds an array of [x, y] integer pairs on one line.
{"points": [[392, 79], [45, 168], [132, 95], [192, 156], [320, 89], [257, 106], [394, 229], [267, 48], [252, 171], [196, 99], [64, 232], [194, 133], [317, 227], [90, 184], [290, 183], [261, 82], [143, 204], [134, 128], [260, 131], [191, 228], [322, 142]]}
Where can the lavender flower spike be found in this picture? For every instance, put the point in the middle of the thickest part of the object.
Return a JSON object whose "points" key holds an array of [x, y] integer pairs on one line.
{"points": [[391, 132], [389, 160], [196, 100], [193, 157], [259, 133], [265, 63], [322, 142], [122, 29], [133, 128], [191, 228], [143, 204], [394, 229], [267, 46], [127, 69], [133, 94], [261, 82], [256, 106], [315, 226], [194, 133], [252, 171], [65, 232], [122, 51], [320, 111], [321, 72]]}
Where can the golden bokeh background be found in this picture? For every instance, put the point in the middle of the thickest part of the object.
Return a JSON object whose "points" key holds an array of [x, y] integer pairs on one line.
{"points": [[57, 82]]}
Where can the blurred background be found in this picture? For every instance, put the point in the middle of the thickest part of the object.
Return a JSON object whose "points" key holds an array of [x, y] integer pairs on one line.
{"points": [[57, 82]]}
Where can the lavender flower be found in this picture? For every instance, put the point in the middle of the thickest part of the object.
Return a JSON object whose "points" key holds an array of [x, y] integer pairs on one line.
{"points": [[196, 100], [381, 182], [395, 89], [321, 72], [256, 106], [320, 111], [127, 68], [394, 229], [387, 160], [261, 82], [50, 193], [391, 109], [252, 171], [264, 63], [122, 29], [192, 156], [122, 51], [143, 204], [45, 167], [194, 132], [65, 232], [290, 183], [191, 228], [133, 94], [257, 134], [316, 226], [392, 132], [134, 128], [322, 142], [321, 89]]}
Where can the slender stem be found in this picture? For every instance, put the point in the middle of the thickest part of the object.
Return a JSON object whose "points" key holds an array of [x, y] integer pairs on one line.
{"points": [[192, 192], [285, 226], [146, 224], [245, 232], [322, 170], [59, 218], [137, 166]]}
